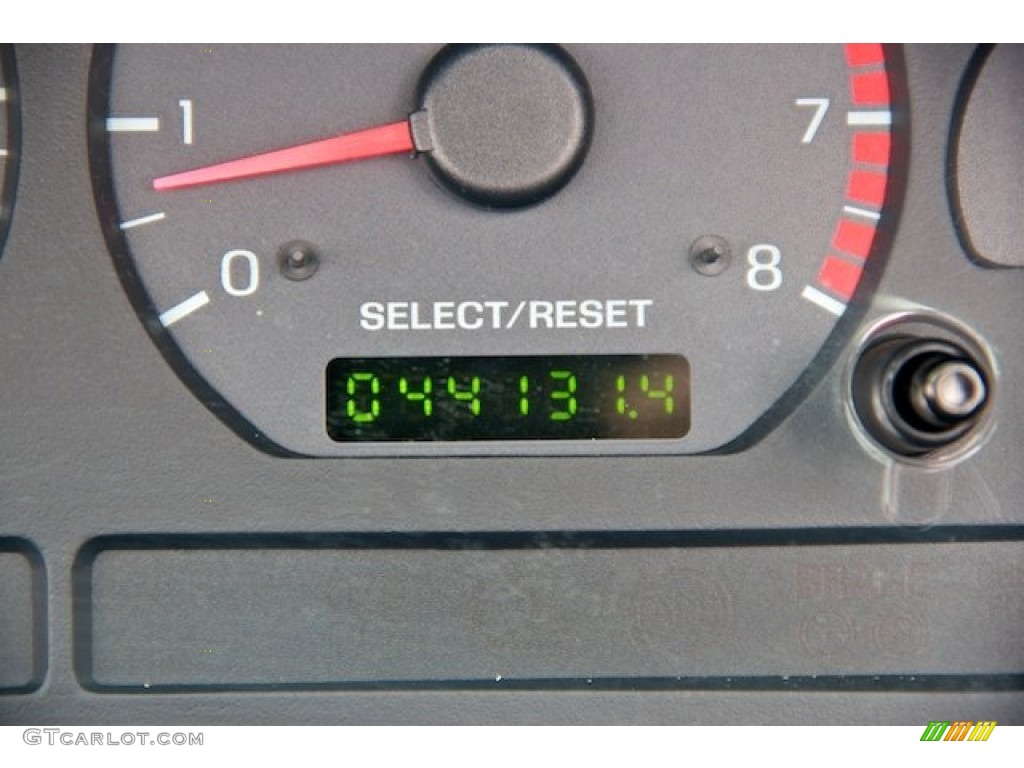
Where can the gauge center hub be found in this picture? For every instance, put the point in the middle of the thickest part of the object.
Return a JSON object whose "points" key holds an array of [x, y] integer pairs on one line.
{"points": [[503, 126]]}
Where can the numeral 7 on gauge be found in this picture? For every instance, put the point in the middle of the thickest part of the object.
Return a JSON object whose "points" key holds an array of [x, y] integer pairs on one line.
{"points": [[820, 108]]}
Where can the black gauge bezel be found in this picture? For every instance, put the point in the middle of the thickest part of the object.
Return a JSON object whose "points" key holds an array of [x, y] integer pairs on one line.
{"points": [[97, 107], [99, 93], [12, 108], [885, 236]]}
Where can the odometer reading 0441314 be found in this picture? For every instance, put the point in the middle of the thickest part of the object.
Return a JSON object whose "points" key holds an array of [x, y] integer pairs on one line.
{"points": [[508, 398]]}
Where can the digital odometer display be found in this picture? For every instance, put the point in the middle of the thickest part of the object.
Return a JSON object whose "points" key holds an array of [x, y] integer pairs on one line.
{"points": [[566, 397]]}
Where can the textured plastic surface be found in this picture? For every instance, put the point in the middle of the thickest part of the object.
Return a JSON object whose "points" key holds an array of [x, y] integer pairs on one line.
{"points": [[100, 437], [568, 611], [22, 617], [988, 173]]}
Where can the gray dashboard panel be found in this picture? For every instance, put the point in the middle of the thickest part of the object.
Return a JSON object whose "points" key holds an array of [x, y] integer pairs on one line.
{"points": [[100, 438], [23, 607], [658, 611]]}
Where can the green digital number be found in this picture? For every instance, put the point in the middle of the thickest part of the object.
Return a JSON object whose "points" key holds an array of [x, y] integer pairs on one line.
{"points": [[355, 410], [468, 396], [524, 390], [564, 396], [620, 402], [665, 394], [419, 396]]}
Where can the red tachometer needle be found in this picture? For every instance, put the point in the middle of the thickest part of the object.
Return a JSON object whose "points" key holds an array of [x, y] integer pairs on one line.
{"points": [[392, 139]]}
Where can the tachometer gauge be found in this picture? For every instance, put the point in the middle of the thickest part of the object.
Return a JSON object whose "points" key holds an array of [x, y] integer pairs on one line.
{"points": [[422, 250], [9, 137]]}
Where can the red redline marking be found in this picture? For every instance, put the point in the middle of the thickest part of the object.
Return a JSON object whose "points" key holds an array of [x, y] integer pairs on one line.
{"points": [[853, 238], [866, 187], [871, 148], [870, 89], [864, 54], [840, 277]]}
